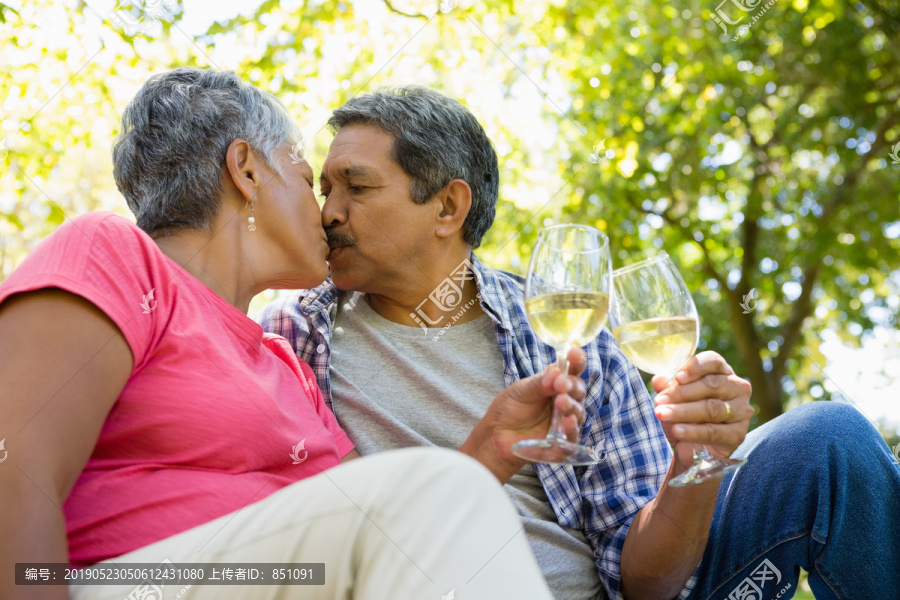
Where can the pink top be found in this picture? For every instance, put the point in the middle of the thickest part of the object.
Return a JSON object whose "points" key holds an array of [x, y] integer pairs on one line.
{"points": [[213, 412]]}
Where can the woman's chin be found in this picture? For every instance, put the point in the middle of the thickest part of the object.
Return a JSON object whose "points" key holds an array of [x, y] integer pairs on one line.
{"points": [[302, 280]]}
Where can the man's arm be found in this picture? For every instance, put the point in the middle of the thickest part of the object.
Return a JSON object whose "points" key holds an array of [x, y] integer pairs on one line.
{"points": [[667, 538], [523, 411]]}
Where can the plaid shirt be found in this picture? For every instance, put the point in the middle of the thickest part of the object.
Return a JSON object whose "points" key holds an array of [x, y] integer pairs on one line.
{"points": [[602, 499]]}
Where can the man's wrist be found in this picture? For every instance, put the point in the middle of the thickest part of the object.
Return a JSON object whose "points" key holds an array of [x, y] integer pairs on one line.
{"points": [[483, 445]]}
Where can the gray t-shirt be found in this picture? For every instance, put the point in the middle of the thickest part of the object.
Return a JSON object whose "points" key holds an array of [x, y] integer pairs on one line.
{"points": [[394, 386]]}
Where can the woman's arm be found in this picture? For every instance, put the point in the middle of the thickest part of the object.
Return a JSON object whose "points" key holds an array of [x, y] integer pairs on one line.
{"points": [[63, 364]]}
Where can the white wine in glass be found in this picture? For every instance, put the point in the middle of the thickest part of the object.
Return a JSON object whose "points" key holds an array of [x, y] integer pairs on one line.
{"points": [[568, 319], [659, 345], [655, 323], [567, 299]]}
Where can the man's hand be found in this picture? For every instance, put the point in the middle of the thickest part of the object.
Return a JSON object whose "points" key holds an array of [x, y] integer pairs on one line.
{"points": [[524, 411], [694, 407]]}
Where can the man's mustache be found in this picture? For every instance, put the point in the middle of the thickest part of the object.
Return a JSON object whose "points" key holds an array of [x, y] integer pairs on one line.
{"points": [[337, 238]]}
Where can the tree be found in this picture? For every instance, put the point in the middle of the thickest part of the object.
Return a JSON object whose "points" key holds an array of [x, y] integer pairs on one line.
{"points": [[769, 158], [760, 159]]}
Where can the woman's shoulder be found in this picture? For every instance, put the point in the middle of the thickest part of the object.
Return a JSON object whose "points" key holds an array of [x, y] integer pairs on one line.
{"points": [[109, 262], [102, 237], [104, 226]]}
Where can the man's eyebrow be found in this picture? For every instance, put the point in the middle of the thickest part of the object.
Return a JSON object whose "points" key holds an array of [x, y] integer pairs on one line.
{"points": [[350, 172], [358, 171]]}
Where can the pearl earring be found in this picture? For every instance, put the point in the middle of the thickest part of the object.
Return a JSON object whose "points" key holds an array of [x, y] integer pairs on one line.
{"points": [[251, 220]]}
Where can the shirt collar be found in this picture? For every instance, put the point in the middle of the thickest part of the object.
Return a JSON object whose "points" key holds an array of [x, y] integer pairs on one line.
{"points": [[496, 293]]}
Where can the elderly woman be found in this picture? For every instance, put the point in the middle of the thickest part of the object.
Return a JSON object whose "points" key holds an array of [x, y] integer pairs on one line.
{"points": [[147, 418]]}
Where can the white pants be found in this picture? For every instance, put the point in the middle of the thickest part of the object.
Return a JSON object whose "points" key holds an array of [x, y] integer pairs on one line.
{"points": [[409, 524]]}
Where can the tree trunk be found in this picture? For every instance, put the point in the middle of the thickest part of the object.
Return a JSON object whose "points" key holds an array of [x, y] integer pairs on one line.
{"points": [[767, 391], [769, 398]]}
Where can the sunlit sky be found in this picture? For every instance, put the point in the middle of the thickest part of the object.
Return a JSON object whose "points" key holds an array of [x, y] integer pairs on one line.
{"points": [[857, 373]]}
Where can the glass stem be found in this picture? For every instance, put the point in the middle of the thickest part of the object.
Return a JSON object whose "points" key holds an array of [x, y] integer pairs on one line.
{"points": [[703, 454], [556, 430]]}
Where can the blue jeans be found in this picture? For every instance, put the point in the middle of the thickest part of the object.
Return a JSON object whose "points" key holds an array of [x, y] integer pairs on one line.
{"points": [[820, 490]]}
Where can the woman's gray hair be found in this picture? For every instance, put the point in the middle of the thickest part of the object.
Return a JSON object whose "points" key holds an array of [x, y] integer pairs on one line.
{"points": [[436, 140], [168, 158]]}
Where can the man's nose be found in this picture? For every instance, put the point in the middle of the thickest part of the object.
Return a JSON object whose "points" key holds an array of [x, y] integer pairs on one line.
{"points": [[332, 213]]}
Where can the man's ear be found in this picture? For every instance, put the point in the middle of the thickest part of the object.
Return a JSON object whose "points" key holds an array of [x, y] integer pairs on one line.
{"points": [[456, 200], [242, 169]]}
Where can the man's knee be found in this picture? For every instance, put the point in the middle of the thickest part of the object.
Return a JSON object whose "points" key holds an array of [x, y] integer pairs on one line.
{"points": [[829, 420], [811, 429]]}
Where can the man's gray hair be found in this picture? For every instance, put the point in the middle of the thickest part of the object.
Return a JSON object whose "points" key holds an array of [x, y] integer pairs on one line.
{"points": [[436, 140], [168, 158]]}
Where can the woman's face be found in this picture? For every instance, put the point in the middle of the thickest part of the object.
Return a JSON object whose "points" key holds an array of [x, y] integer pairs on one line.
{"points": [[288, 215]]}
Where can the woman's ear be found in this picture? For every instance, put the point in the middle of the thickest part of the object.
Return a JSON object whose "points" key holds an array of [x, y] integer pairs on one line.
{"points": [[242, 168], [456, 200]]}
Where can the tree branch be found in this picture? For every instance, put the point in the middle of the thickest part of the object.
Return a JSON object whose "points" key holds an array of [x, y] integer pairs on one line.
{"points": [[802, 309], [750, 231], [709, 265], [393, 9]]}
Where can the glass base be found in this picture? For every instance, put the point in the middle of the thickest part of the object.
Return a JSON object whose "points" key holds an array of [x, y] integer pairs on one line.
{"points": [[555, 452], [706, 469]]}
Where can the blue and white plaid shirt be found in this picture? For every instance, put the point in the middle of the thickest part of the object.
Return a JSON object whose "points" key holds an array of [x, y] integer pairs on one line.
{"points": [[601, 499]]}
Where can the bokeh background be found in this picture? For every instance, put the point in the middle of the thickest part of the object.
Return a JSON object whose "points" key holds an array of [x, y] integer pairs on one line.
{"points": [[758, 144]]}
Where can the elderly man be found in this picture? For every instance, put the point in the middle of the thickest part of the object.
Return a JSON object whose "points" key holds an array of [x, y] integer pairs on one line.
{"points": [[410, 186]]}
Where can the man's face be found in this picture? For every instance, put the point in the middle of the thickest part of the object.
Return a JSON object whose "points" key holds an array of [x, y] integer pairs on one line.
{"points": [[375, 231]]}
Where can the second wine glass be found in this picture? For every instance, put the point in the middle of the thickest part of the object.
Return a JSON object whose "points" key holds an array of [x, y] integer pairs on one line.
{"points": [[655, 323], [566, 298]]}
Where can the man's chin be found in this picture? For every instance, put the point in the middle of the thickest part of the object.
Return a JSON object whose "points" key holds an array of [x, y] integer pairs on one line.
{"points": [[341, 280], [344, 278]]}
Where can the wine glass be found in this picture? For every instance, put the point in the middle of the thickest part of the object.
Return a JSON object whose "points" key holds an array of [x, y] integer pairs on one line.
{"points": [[566, 298], [655, 323]]}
